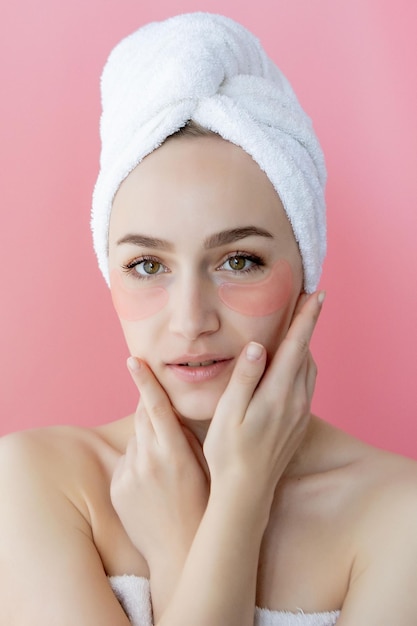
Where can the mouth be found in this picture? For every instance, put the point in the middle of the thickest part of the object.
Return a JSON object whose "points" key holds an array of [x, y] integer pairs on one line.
{"points": [[201, 368], [198, 360], [199, 363]]}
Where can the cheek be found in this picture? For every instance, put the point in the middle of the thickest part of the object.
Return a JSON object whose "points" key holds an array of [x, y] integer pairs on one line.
{"points": [[135, 304], [262, 298]]}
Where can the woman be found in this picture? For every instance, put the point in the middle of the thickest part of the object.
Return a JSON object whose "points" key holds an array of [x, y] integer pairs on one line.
{"points": [[221, 490]]}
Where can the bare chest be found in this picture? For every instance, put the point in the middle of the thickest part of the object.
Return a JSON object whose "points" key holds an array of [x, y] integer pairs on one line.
{"points": [[304, 562], [307, 552]]}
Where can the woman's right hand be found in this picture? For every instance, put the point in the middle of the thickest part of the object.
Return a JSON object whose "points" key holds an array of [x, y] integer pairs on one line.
{"points": [[257, 428], [159, 487]]}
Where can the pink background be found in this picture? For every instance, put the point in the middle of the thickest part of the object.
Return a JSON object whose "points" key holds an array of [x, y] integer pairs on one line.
{"points": [[62, 355]]}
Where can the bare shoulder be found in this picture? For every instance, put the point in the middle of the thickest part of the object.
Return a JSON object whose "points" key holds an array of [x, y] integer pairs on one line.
{"points": [[56, 457], [55, 441], [47, 477], [69, 466], [376, 476], [37, 468], [366, 500], [378, 499], [387, 497], [346, 485], [375, 492], [61, 448], [336, 452]]}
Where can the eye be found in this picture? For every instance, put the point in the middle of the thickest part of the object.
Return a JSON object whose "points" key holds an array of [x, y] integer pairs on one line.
{"points": [[238, 262], [242, 263], [144, 268], [148, 267]]}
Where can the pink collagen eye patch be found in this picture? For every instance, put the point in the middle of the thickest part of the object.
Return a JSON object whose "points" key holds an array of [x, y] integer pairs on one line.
{"points": [[135, 303], [261, 298]]}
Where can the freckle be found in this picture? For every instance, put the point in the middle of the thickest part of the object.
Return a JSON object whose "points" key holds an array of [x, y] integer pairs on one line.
{"points": [[260, 298], [135, 303]]}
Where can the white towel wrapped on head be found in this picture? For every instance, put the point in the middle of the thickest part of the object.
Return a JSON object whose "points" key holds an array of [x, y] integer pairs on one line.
{"points": [[209, 69]]}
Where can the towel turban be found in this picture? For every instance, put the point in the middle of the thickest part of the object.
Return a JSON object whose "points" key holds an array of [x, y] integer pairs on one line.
{"points": [[209, 69]]}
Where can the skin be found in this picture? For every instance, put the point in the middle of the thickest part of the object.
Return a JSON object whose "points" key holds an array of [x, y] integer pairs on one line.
{"points": [[262, 298], [317, 520], [257, 299], [198, 185], [135, 304]]}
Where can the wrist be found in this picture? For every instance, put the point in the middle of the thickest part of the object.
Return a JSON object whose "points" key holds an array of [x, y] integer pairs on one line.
{"points": [[164, 574], [167, 560], [241, 505]]}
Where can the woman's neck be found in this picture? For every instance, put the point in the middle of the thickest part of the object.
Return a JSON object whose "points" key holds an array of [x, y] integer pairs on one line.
{"points": [[198, 428]]}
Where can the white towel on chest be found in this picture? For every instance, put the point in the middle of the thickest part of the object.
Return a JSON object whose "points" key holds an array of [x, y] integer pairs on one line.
{"points": [[134, 595]]}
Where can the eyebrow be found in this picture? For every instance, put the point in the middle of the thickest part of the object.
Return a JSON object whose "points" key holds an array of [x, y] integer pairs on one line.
{"points": [[145, 241], [235, 234], [213, 241]]}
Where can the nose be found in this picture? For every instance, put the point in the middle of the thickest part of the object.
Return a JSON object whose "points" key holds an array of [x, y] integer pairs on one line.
{"points": [[193, 310]]}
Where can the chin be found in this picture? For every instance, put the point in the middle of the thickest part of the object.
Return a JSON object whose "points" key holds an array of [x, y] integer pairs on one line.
{"points": [[197, 407]]}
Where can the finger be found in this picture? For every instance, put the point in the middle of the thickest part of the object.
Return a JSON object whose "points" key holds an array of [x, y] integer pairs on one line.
{"points": [[300, 392], [131, 450], [308, 308], [245, 377], [197, 450], [125, 460], [295, 346], [156, 404], [302, 299], [144, 429], [118, 469], [311, 377]]}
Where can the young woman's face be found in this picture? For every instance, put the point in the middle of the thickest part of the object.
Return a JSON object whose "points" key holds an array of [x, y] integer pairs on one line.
{"points": [[202, 260]]}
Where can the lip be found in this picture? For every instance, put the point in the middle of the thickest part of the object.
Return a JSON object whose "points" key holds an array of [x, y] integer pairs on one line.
{"points": [[198, 358], [200, 373]]}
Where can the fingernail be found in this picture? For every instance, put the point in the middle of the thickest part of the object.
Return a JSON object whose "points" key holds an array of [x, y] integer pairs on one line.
{"points": [[133, 364], [254, 351], [321, 297]]}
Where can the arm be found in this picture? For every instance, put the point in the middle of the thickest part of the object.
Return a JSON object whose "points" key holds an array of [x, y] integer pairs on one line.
{"points": [[253, 436], [160, 488], [51, 572]]}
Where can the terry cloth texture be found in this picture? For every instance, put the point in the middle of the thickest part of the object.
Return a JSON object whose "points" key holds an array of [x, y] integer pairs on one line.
{"points": [[209, 69]]}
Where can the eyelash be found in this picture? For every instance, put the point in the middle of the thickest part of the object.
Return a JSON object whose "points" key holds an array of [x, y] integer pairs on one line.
{"points": [[129, 268], [257, 264]]}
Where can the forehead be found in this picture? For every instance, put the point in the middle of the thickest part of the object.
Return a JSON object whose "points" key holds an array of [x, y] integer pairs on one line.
{"points": [[203, 183]]}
